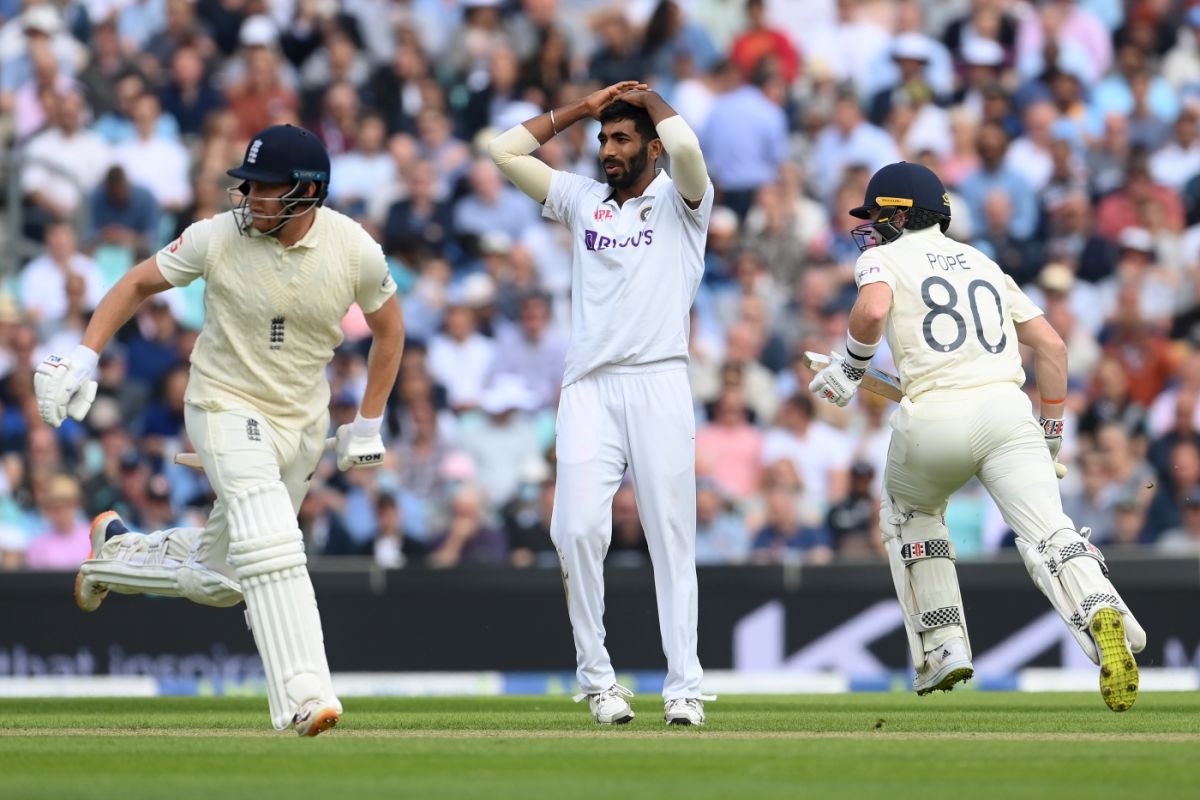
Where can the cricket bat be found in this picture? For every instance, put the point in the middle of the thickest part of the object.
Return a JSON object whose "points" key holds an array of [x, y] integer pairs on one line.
{"points": [[192, 460], [876, 381]]}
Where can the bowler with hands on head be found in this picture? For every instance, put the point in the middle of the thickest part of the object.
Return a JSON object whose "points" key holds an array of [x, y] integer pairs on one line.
{"points": [[637, 259]]}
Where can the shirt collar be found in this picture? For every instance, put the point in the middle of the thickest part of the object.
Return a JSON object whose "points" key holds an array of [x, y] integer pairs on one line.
{"points": [[310, 239]]}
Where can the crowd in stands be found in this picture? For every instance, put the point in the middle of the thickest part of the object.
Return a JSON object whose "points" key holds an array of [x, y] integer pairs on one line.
{"points": [[1066, 131]]}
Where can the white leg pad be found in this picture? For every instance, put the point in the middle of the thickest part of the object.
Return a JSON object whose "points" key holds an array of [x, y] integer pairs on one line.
{"points": [[267, 550], [921, 557], [160, 563], [1071, 572]]}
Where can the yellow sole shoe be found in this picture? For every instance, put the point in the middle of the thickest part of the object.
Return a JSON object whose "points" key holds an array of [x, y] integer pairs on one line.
{"points": [[1118, 670]]}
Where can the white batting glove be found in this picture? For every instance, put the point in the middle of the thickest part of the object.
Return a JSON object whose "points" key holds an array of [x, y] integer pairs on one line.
{"points": [[359, 445], [838, 382], [1053, 428], [64, 387]]}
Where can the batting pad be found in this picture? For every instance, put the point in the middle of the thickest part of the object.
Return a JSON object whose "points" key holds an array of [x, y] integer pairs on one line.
{"points": [[1071, 572], [160, 563], [267, 550], [921, 557]]}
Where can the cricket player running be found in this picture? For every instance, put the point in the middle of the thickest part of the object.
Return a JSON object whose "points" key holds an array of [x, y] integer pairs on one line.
{"points": [[953, 321], [280, 272], [637, 262]]}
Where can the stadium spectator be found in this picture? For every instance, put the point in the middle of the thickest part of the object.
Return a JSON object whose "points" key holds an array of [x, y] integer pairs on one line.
{"points": [[61, 534], [784, 537], [124, 215]]}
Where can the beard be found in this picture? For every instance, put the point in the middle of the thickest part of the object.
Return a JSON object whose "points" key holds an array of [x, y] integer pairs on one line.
{"points": [[632, 171]]}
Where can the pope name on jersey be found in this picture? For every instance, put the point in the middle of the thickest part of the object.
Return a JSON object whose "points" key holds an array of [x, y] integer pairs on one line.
{"points": [[953, 308], [274, 313]]}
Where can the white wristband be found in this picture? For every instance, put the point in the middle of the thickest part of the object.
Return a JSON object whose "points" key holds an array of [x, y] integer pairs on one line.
{"points": [[859, 354], [366, 427], [84, 360]]}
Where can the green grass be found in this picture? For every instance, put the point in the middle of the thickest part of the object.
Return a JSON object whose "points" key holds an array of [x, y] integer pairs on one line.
{"points": [[955, 746]]}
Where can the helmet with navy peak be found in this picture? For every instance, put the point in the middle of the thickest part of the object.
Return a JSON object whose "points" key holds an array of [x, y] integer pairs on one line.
{"points": [[907, 196], [283, 155]]}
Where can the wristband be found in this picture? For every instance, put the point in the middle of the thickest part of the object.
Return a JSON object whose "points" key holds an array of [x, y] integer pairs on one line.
{"points": [[859, 354], [1053, 428], [366, 427], [1053, 401], [84, 359], [553, 124]]}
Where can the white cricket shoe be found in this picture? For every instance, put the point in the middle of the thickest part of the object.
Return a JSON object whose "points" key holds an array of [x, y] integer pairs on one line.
{"points": [[684, 711], [89, 594], [609, 707], [947, 665], [315, 717]]}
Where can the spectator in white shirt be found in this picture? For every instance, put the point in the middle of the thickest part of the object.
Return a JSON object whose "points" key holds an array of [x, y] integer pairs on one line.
{"points": [[159, 164], [65, 162], [460, 358], [44, 280], [820, 453], [1177, 161]]}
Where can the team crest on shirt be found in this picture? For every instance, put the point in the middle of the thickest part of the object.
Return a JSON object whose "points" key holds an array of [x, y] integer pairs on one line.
{"points": [[644, 214]]}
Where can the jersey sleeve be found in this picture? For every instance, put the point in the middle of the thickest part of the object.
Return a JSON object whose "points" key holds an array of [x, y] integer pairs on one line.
{"points": [[565, 190], [699, 216], [872, 267], [1021, 308], [375, 284], [183, 260]]}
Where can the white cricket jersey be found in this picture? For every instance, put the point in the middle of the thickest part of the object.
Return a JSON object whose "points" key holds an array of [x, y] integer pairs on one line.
{"points": [[951, 325], [635, 270], [273, 314]]}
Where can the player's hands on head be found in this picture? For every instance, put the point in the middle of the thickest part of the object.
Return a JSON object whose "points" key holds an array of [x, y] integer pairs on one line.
{"points": [[358, 450], [635, 97], [837, 382], [598, 100], [64, 387]]}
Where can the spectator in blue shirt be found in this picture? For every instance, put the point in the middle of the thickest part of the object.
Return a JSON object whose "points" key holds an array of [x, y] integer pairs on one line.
{"points": [[124, 215], [746, 139], [785, 537], [993, 175]]}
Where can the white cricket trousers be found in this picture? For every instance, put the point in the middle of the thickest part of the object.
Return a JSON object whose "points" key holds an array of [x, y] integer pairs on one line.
{"points": [[641, 418], [239, 449], [944, 438]]}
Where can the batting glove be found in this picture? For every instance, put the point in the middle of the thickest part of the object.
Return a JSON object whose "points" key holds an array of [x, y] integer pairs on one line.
{"points": [[359, 445], [838, 382], [64, 387], [1053, 428]]}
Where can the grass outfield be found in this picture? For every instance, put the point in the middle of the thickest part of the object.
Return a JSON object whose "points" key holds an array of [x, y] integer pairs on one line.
{"points": [[954, 746]]}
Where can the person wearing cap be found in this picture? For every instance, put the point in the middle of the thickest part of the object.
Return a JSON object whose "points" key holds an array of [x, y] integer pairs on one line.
{"points": [[954, 321], [280, 272]]}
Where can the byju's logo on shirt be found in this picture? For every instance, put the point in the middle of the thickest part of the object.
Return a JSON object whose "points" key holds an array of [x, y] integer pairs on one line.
{"points": [[594, 241]]}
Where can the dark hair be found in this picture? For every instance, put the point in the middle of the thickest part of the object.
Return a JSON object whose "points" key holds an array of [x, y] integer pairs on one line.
{"points": [[619, 110]]}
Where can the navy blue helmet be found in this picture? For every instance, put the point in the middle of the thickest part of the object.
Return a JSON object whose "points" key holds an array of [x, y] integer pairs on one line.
{"points": [[284, 154], [911, 197]]}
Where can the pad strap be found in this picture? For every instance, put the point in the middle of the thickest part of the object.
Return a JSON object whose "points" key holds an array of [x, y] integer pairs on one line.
{"points": [[1092, 603], [1081, 548], [930, 548], [937, 618]]}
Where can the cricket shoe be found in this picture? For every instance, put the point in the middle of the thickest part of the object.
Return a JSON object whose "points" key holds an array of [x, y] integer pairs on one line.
{"points": [[947, 665], [88, 594], [610, 707], [1118, 670], [316, 717], [685, 710]]}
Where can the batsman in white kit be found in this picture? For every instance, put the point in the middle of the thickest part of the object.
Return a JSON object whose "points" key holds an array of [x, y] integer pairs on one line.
{"points": [[638, 256], [953, 321], [280, 273]]}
